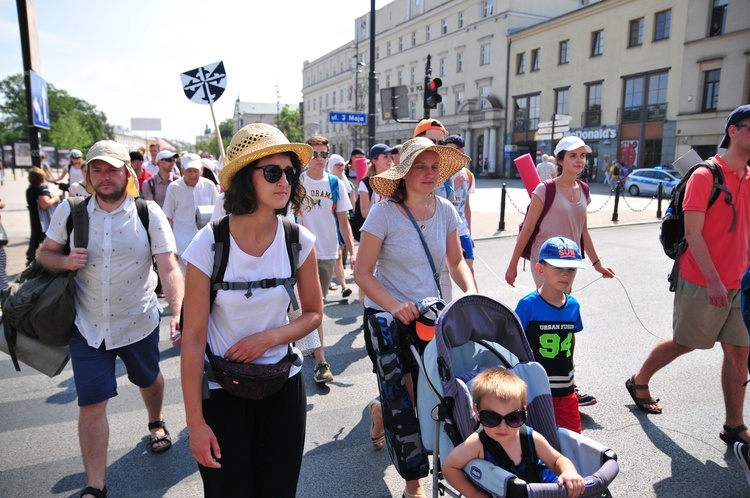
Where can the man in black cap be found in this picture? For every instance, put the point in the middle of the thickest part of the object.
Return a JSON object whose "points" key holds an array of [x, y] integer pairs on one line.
{"points": [[707, 296]]}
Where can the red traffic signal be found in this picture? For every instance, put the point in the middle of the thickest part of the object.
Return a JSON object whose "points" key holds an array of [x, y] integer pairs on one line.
{"points": [[431, 95]]}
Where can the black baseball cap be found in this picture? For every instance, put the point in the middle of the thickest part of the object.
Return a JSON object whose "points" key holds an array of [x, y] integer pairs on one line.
{"points": [[737, 115]]}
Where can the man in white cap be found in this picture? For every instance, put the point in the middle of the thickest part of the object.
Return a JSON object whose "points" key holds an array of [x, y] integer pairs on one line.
{"points": [[155, 188], [183, 198], [117, 314]]}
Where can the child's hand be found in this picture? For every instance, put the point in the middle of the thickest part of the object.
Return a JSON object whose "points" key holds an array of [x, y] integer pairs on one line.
{"points": [[573, 482]]}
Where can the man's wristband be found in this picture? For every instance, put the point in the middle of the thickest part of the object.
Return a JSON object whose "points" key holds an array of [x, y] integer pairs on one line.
{"points": [[595, 262]]}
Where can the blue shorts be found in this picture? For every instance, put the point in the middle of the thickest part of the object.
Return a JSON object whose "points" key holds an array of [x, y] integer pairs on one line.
{"points": [[94, 369], [468, 246]]}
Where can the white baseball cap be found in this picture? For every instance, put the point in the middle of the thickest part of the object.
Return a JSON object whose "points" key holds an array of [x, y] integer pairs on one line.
{"points": [[571, 143]]}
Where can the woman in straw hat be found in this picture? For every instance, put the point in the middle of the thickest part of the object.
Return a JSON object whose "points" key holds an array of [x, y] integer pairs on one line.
{"points": [[392, 268], [250, 447]]}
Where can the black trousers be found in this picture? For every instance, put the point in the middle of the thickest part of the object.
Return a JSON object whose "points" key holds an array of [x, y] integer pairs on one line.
{"points": [[261, 442]]}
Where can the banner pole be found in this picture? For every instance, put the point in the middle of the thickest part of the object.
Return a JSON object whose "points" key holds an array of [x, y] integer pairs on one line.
{"points": [[218, 132]]}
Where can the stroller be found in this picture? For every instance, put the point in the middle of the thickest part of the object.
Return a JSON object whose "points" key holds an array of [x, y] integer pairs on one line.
{"points": [[472, 333]]}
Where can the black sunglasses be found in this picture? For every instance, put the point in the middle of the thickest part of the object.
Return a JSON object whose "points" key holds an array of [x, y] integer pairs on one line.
{"points": [[272, 173], [168, 159], [491, 419], [438, 142], [320, 154]]}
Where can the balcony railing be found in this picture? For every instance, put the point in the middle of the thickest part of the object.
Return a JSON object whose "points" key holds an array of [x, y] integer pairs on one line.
{"points": [[639, 114], [521, 124], [591, 118]]}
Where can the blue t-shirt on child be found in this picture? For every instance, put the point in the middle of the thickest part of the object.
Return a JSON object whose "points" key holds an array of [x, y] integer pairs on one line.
{"points": [[550, 330]]}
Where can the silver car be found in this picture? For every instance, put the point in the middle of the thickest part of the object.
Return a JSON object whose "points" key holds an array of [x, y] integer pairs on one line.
{"points": [[647, 180]]}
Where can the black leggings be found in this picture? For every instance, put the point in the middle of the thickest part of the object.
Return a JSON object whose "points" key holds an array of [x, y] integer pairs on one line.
{"points": [[261, 442]]}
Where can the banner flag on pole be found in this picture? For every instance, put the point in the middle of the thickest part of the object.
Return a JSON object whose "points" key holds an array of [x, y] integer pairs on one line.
{"points": [[204, 85]]}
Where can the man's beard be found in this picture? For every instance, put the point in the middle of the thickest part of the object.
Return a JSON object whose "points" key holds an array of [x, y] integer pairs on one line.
{"points": [[114, 196]]}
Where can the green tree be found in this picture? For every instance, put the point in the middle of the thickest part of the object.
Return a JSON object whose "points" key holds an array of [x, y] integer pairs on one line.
{"points": [[74, 122], [211, 146], [289, 123]]}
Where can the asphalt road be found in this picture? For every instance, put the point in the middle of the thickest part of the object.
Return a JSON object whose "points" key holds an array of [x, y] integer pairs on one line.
{"points": [[676, 454]]}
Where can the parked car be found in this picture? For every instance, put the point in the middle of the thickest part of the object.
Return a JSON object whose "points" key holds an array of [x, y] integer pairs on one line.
{"points": [[647, 180]]}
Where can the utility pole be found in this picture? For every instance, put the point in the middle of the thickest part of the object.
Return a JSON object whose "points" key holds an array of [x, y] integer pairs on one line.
{"points": [[31, 62], [371, 90], [427, 75]]}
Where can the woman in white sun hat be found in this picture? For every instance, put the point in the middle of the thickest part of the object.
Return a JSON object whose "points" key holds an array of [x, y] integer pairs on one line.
{"points": [[251, 443], [392, 267]]}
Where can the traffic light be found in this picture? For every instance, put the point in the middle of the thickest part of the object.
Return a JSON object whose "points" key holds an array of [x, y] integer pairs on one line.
{"points": [[431, 96]]}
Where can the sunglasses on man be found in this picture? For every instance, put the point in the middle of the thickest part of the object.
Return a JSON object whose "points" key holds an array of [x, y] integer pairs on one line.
{"points": [[321, 154], [272, 173], [491, 419]]}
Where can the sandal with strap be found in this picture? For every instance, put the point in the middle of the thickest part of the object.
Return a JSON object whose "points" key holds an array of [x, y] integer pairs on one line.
{"points": [[96, 493], [731, 435], [154, 441], [379, 440], [641, 403]]}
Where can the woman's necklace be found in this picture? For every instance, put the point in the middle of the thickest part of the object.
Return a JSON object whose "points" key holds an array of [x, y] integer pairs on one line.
{"points": [[424, 213], [570, 193]]}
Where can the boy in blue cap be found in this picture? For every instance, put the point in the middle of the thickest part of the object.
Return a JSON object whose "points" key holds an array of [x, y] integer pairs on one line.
{"points": [[550, 317]]}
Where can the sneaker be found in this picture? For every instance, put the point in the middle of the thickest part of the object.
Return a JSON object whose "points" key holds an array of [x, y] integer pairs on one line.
{"points": [[742, 452], [323, 373], [584, 399]]}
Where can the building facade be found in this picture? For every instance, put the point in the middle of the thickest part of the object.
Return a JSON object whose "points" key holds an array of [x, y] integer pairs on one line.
{"points": [[468, 47], [642, 81], [255, 112]]}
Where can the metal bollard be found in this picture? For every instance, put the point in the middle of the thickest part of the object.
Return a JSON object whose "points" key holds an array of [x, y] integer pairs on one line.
{"points": [[659, 194], [617, 201], [501, 225]]}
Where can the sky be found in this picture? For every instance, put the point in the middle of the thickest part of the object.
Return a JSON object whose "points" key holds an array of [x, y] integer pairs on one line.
{"points": [[125, 57]]}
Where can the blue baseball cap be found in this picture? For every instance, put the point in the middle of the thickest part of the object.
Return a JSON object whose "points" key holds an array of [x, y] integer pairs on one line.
{"points": [[378, 149], [561, 253], [737, 115], [456, 140]]}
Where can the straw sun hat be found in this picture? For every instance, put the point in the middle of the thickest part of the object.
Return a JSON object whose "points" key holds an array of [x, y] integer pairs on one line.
{"points": [[254, 142], [451, 161]]}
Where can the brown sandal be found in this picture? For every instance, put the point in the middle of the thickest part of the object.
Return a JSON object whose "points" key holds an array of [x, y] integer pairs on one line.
{"points": [[731, 435], [641, 403]]}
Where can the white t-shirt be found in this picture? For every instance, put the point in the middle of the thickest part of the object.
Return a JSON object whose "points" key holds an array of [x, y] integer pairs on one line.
{"points": [[545, 170], [180, 204], [234, 316], [463, 184], [319, 217], [375, 198]]}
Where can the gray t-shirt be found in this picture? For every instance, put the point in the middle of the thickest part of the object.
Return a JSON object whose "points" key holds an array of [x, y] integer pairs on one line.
{"points": [[402, 266]]}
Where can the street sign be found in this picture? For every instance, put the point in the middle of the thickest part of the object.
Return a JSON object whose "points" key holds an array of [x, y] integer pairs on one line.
{"points": [[547, 136], [546, 130], [563, 117], [347, 117], [558, 124], [394, 102], [39, 101]]}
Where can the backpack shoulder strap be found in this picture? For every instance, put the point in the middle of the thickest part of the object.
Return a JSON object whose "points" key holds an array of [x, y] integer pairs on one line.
{"points": [[718, 180], [293, 248], [221, 249], [78, 221], [141, 205], [584, 187], [549, 197]]}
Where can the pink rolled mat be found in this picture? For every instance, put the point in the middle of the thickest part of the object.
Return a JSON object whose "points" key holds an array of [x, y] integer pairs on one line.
{"points": [[360, 166], [527, 169]]}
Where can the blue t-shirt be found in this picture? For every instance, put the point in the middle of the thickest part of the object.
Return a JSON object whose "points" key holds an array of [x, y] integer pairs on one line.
{"points": [[550, 330]]}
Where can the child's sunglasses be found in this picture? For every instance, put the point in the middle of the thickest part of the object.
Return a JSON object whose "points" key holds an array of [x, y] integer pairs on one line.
{"points": [[272, 173], [491, 419]]}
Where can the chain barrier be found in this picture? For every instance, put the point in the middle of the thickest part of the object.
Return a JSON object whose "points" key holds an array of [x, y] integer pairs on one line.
{"points": [[510, 199], [625, 200], [591, 211]]}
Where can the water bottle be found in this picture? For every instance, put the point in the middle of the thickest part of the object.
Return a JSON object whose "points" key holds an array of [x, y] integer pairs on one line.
{"points": [[669, 214]]}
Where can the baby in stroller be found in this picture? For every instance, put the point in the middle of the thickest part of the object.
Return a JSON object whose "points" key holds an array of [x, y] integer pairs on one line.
{"points": [[496, 391]]}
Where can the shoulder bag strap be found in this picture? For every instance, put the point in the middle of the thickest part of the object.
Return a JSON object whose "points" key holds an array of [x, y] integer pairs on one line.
{"points": [[435, 273]]}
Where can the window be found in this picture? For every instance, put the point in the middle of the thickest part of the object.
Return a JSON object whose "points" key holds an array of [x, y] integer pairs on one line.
{"points": [[412, 110], [520, 112], [400, 78], [444, 27], [562, 101], [635, 37], [718, 17], [632, 99], [341, 95], [400, 43], [521, 63], [413, 38], [534, 111], [564, 52], [662, 25], [428, 33], [413, 76], [442, 66], [711, 90], [388, 48], [597, 43], [484, 92], [460, 63], [488, 8], [377, 53], [326, 100], [461, 19], [645, 98], [526, 112], [657, 96], [320, 102], [485, 55], [593, 104], [535, 60], [459, 99], [387, 80], [334, 97]]}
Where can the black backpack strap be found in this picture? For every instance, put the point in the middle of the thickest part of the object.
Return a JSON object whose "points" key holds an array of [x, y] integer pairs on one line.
{"points": [[220, 248], [141, 205], [77, 223], [293, 248], [719, 187]]}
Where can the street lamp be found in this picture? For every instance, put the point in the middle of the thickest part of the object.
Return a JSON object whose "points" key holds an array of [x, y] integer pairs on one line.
{"points": [[357, 70]]}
